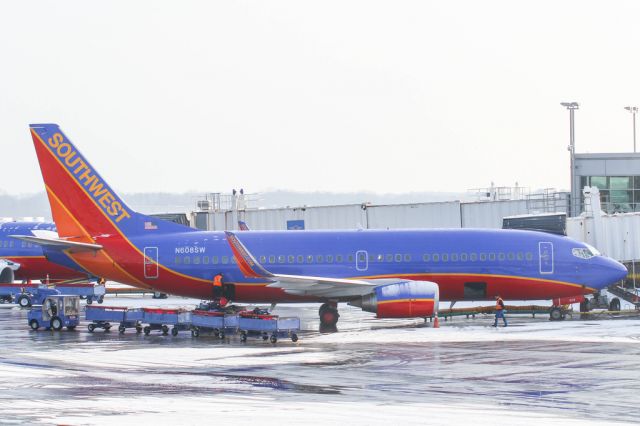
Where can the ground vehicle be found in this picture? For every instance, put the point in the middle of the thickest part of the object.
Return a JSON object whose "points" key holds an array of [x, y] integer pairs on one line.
{"points": [[102, 316], [56, 311]]}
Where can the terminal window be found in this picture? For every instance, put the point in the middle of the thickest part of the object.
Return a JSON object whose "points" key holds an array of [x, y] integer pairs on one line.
{"points": [[618, 194]]}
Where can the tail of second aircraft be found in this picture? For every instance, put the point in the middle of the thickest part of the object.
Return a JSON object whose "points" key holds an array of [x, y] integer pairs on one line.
{"points": [[82, 203]]}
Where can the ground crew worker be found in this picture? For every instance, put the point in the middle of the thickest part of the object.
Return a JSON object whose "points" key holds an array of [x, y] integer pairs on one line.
{"points": [[499, 311], [217, 286]]}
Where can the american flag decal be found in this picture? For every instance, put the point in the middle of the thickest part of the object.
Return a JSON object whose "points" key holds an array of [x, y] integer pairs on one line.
{"points": [[150, 225]]}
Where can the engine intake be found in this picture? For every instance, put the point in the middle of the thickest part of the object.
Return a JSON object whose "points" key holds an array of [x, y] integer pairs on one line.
{"points": [[406, 299]]}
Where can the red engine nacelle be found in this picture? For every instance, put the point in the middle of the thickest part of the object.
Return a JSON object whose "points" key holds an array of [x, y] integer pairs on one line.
{"points": [[405, 299]]}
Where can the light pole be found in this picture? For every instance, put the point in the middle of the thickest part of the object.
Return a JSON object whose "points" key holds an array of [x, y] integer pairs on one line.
{"points": [[572, 106], [633, 111]]}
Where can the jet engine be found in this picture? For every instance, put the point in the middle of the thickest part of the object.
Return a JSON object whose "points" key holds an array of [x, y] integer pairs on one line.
{"points": [[6, 271], [404, 299]]}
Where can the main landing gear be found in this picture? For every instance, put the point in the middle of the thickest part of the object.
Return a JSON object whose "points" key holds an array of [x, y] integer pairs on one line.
{"points": [[329, 315]]}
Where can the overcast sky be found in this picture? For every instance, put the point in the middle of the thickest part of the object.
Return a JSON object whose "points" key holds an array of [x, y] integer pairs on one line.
{"points": [[384, 96]]}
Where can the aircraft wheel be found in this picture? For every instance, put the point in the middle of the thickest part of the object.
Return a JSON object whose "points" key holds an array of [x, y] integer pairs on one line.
{"points": [[614, 305], [56, 323], [555, 314], [329, 316], [34, 324]]}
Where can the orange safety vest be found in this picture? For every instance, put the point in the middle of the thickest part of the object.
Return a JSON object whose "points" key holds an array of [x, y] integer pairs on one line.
{"points": [[499, 304], [217, 281]]}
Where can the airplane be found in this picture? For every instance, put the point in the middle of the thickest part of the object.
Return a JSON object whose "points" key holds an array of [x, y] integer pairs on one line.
{"points": [[26, 261], [392, 273]]}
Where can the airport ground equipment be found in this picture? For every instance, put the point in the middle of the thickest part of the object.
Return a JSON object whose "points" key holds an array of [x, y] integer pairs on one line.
{"points": [[10, 292], [532, 310], [103, 316], [87, 291], [33, 295], [161, 319], [219, 323], [631, 295], [55, 312], [261, 323]]}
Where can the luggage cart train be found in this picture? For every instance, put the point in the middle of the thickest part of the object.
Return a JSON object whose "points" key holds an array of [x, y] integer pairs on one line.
{"points": [[217, 321]]}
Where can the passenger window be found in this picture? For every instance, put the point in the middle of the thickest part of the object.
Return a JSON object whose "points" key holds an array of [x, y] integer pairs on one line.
{"points": [[436, 257], [463, 257], [501, 257], [178, 260], [454, 257], [398, 257], [186, 260], [380, 258], [205, 260], [263, 259], [520, 256], [407, 257], [310, 258], [473, 257], [196, 260], [291, 259], [214, 260], [483, 257], [225, 260], [329, 258], [445, 257], [24, 244], [389, 258], [511, 256], [361, 257], [233, 259], [492, 257], [320, 258], [272, 259], [281, 258], [339, 258], [350, 258], [529, 255], [300, 258], [426, 257], [11, 244]]}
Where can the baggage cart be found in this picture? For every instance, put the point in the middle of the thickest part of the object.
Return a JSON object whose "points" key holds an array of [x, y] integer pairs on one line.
{"points": [[91, 292], [103, 316], [160, 319], [218, 322], [270, 327]]}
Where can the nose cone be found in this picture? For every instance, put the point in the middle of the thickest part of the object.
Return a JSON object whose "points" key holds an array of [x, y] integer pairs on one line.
{"points": [[617, 271]]}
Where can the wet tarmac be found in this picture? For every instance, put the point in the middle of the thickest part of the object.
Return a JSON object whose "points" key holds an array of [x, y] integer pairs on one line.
{"points": [[369, 372]]}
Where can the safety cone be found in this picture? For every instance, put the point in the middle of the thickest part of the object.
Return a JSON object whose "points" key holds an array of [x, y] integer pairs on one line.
{"points": [[436, 322]]}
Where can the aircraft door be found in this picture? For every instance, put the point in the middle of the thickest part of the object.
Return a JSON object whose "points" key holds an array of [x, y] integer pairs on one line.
{"points": [[546, 257], [151, 262], [362, 260]]}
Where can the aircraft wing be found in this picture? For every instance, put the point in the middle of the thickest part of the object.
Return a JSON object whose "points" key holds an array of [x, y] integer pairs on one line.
{"points": [[302, 285], [58, 243]]}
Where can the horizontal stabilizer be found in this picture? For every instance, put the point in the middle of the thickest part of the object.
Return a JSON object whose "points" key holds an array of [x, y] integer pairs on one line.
{"points": [[59, 243]]}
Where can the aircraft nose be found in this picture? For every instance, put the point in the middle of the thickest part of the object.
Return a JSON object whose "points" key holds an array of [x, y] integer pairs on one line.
{"points": [[618, 271]]}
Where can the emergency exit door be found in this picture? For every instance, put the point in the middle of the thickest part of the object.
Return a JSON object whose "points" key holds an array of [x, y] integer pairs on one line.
{"points": [[151, 262]]}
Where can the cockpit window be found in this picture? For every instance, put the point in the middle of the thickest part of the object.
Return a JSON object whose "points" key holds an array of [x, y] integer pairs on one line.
{"points": [[585, 252]]}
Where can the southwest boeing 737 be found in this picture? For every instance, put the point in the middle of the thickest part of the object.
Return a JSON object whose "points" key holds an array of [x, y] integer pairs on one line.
{"points": [[391, 273], [30, 261]]}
